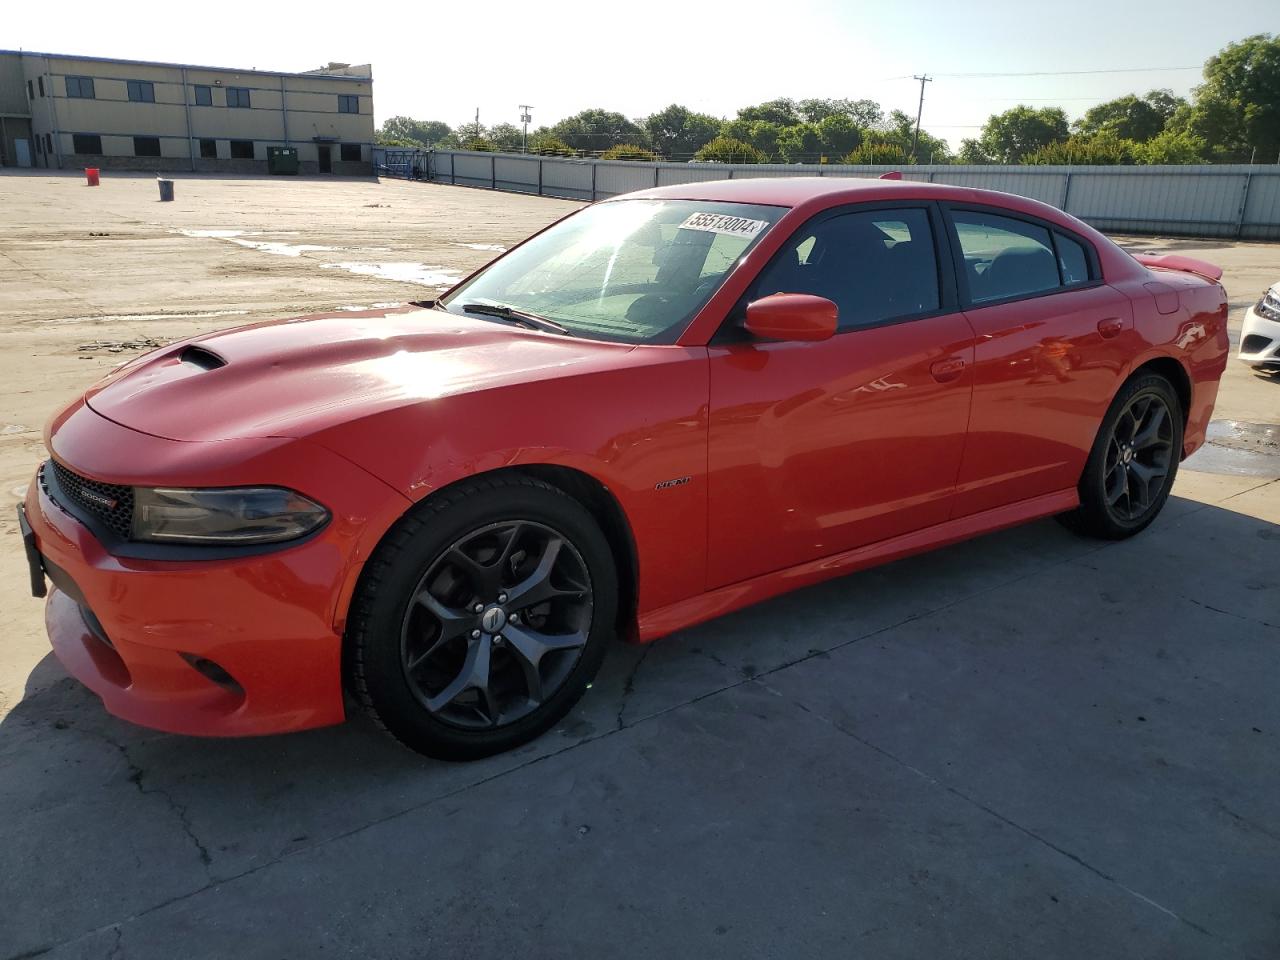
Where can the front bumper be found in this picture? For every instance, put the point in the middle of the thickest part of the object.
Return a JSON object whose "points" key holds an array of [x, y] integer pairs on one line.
{"points": [[1259, 340], [229, 647]]}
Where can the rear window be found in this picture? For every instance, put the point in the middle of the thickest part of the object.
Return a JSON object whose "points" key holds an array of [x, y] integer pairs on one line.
{"points": [[1072, 260], [1004, 257]]}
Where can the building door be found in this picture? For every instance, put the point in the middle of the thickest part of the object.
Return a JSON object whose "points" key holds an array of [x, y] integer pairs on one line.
{"points": [[22, 152], [326, 165]]}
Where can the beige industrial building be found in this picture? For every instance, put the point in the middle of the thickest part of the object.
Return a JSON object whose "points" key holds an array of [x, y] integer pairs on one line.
{"points": [[66, 112]]}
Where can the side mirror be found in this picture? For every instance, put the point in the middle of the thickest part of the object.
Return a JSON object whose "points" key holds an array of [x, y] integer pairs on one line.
{"points": [[792, 316]]}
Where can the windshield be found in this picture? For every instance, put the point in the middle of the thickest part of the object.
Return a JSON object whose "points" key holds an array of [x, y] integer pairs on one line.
{"points": [[634, 271]]}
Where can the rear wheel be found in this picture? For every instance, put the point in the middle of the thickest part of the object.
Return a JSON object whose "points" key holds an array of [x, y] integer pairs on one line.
{"points": [[482, 618], [1133, 463]]}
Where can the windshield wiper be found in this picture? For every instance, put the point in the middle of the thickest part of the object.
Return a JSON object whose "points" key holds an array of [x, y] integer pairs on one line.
{"points": [[522, 317]]}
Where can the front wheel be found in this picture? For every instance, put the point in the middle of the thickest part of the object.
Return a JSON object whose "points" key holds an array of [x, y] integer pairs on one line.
{"points": [[1133, 463], [482, 618]]}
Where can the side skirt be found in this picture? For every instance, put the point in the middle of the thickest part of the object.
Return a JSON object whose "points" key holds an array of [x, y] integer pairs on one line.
{"points": [[706, 606]]}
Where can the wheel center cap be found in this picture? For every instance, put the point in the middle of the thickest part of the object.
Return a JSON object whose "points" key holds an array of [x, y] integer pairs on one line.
{"points": [[493, 619], [1128, 454]]}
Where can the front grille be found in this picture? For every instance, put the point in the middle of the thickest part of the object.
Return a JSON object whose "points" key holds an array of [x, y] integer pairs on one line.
{"points": [[109, 503], [1255, 343]]}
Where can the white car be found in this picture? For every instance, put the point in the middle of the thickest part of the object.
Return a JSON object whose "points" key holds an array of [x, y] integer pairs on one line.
{"points": [[1260, 335]]}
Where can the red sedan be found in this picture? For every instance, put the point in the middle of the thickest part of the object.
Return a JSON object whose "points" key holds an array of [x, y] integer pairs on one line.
{"points": [[662, 408]]}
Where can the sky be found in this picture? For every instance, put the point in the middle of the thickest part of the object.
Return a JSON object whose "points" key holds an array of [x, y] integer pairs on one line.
{"points": [[442, 61]]}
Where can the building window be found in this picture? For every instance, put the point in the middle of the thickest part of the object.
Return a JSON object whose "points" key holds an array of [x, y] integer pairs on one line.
{"points": [[237, 96], [40, 81], [146, 146], [31, 91], [204, 96], [351, 152], [86, 143], [241, 149], [348, 103], [141, 91], [209, 149], [80, 87]]}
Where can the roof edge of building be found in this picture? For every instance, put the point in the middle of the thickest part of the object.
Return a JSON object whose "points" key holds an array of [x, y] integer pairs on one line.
{"points": [[323, 72]]}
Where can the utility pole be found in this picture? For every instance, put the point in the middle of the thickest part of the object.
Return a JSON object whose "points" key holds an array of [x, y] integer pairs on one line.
{"points": [[915, 139], [525, 117]]}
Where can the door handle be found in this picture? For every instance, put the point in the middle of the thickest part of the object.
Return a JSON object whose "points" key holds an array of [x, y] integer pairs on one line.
{"points": [[948, 368], [1110, 327]]}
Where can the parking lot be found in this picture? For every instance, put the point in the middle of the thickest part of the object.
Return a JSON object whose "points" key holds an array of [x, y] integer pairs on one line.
{"points": [[1028, 745]]}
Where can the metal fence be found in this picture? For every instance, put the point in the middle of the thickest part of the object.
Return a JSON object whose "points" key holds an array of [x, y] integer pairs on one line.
{"points": [[1235, 201]]}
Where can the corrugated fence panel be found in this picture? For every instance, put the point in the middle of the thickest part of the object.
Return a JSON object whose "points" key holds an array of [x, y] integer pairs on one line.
{"points": [[1206, 201], [624, 176], [517, 173], [1262, 211], [566, 178], [1155, 201], [473, 169]]}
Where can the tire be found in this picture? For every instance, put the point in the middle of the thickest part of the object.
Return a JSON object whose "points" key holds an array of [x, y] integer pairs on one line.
{"points": [[1119, 459], [426, 624]]}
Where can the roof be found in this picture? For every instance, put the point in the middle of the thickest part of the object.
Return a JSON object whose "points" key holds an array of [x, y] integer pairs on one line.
{"points": [[308, 74], [794, 191]]}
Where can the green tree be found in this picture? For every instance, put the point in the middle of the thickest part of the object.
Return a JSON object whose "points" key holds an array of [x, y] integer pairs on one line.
{"points": [[1173, 146], [547, 144], [800, 142], [597, 130], [625, 151], [1237, 109], [761, 134], [873, 151], [839, 134], [1131, 117], [972, 151], [1009, 136], [507, 137], [728, 150], [899, 129], [677, 132], [407, 130], [863, 113], [783, 111], [1102, 148]]}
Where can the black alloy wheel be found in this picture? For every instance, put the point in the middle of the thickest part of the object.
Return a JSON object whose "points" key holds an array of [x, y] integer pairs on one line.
{"points": [[1133, 462], [1138, 456], [482, 617], [497, 624]]}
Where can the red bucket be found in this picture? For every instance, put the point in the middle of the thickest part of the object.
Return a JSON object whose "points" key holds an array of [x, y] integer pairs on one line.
{"points": [[91, 175]]}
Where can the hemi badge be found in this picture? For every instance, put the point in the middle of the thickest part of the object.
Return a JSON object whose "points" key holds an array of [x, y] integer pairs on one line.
{"points": [[667, 484]]}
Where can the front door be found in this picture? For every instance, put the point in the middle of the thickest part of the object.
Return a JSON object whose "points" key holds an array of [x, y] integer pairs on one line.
{"points": [[817, 448], [22, 152], [326, 164]]}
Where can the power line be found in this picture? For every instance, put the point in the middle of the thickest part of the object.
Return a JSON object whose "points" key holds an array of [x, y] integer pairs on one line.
{"points": [[1060, 73]]}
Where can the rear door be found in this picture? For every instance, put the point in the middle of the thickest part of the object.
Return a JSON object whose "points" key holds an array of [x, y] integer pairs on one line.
{"points": [[817, 448], [1051, 350]]}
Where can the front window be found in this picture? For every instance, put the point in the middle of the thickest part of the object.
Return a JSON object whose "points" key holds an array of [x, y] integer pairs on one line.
{"points": [[632, 271]]}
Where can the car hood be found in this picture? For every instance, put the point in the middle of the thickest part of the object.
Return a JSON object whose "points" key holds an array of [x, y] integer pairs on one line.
{"points": [[291, 378]]}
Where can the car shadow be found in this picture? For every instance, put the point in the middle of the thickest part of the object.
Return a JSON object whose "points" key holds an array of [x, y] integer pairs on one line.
{"points": [[85, 796]]}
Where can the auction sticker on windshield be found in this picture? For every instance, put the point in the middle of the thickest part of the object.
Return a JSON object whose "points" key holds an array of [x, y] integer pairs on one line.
{"points": [[724, 223]]}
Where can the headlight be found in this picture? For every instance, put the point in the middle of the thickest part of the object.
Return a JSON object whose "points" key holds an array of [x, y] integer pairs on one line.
{"points": [[230, 515]]}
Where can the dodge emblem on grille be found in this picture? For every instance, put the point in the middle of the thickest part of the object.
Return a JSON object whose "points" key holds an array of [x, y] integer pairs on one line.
{"points": [[100, 499]]}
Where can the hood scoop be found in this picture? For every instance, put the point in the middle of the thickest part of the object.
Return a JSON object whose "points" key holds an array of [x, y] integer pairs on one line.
{"points": [[201, 357]]}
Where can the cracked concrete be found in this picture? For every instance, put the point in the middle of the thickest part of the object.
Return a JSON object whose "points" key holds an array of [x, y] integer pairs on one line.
{"points": [[1029, 745]]}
